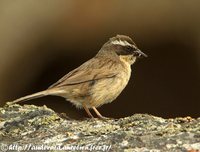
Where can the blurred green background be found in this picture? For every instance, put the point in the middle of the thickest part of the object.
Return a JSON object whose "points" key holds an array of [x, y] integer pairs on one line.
{"points": [[40, 41]]}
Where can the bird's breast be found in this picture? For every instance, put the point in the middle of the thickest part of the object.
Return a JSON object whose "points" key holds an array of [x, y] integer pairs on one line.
{"points": [[106, 90]]}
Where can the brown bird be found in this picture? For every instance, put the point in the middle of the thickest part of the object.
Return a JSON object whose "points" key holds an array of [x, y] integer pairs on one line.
{"points": [[99, 80]]}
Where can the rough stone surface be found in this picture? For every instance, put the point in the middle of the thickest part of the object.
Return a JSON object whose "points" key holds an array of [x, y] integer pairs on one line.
{"points": [[32, 128]]}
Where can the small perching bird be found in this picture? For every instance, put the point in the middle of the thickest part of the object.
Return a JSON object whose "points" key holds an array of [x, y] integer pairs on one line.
{"points": [[99, 80]]}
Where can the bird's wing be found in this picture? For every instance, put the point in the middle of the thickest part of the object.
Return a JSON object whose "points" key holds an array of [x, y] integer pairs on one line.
{"points": [[94, 69]]}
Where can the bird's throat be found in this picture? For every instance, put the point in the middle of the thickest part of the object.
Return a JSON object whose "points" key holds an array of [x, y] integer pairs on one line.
{"points": [[130, 59]]}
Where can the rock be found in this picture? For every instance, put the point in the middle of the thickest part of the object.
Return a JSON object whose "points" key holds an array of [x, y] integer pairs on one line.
{"points": [[33, 128]]}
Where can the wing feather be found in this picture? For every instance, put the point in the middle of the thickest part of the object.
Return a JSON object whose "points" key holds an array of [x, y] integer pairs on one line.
{"points": [[93, 69]]}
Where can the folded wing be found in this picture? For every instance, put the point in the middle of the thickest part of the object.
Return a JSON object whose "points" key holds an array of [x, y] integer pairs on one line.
{"points": [[94, 69]]}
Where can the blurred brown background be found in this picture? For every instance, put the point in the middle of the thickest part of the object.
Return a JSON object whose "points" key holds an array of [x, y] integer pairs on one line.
{"points": [[40, 41]]}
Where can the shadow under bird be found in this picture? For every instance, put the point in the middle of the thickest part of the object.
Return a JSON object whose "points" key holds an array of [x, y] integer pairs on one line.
{"points": [[99, 80]]}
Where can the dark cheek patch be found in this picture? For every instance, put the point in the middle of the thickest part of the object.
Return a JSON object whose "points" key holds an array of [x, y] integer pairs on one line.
{"points": [[122, 50]]}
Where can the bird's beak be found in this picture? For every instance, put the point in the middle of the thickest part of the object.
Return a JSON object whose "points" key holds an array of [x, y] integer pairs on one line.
{"points": [[139, 53]]}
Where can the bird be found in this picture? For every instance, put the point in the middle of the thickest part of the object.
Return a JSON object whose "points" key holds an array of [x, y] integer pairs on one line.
{"points": [[98, 81]]}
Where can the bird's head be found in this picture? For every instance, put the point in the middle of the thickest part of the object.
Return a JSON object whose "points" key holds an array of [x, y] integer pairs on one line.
{"points": [[124, 47]]}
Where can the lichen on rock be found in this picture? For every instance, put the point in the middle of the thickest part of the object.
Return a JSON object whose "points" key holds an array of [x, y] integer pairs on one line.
{"points": [[40, 128]]}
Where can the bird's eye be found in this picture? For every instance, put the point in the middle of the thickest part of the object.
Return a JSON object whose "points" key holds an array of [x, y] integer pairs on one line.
{"points": [[129, 48]]}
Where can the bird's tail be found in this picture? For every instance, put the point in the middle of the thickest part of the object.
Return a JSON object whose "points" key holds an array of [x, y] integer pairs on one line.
{"points": [[37, 95]]}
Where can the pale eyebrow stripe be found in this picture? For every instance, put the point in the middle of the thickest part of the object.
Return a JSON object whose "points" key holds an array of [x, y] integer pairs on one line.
{"points": [[123, 43]]}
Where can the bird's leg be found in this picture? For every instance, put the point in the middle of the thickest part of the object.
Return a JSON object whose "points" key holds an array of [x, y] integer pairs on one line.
{"points": [[88, 111], [98, 113]]}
